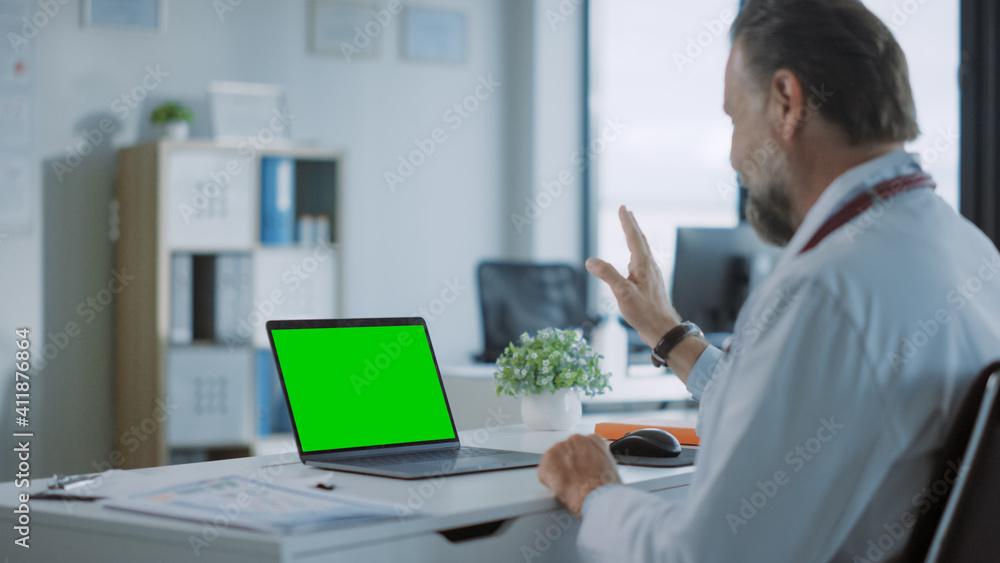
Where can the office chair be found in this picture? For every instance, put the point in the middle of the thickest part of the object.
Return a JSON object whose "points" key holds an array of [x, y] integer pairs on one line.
{"points": [[968, 529], [522, 297], [961, 444]]}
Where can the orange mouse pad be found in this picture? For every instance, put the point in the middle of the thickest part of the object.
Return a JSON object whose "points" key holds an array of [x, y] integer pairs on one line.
{"points": [[683, 430]]}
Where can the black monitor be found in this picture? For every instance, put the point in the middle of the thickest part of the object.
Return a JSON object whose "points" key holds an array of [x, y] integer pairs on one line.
{"points": [[714, 271]]}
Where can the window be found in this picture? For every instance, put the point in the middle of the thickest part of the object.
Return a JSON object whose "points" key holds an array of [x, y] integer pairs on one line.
{"points": [[929, 34], [657, 69]]}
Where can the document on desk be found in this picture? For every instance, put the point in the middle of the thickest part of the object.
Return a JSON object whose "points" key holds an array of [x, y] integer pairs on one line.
{"points": [[254, 505]]}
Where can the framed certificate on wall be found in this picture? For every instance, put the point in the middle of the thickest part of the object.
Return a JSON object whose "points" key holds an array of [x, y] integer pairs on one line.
{"points": [[125, 15], [438, 36]]}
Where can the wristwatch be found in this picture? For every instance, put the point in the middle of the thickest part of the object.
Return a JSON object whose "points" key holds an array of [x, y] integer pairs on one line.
{"points": [[671, 339]]}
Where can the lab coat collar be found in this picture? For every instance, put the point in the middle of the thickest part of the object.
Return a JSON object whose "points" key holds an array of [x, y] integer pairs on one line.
{"points": [[847, 186]]}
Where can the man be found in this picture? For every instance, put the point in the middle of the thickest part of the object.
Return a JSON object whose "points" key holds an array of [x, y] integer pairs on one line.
{"points": [[819, 426]]}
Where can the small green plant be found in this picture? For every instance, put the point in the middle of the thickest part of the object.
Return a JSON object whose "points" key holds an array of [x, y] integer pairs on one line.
{"points": [[551, 360], [171, 112]]}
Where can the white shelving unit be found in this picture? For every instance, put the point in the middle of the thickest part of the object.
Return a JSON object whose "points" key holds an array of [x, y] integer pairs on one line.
{"points": [[190, 326]]}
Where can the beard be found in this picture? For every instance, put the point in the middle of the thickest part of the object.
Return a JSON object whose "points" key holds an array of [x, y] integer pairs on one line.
{"points": [[768, 208]]}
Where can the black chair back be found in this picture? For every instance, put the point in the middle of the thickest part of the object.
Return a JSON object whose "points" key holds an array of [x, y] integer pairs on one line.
{"points": [[523, 297], [969, 529]]}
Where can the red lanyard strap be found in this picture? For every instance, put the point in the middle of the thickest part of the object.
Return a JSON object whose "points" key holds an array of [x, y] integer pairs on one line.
{"points": [[864, 201]]}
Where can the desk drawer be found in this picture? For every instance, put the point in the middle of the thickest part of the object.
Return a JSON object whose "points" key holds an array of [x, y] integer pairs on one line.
{"points": [[541, 537], [545, 536]]}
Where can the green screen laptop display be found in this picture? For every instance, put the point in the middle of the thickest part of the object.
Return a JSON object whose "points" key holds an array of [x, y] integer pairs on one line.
{"points": [[353, 387]]}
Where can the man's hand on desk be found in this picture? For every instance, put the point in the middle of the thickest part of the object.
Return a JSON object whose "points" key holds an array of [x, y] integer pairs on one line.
{"points": [[575, 467]]}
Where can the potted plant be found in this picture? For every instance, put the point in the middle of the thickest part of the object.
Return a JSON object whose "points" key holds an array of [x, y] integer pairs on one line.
{"points": [[175, 119], [549, 371]]}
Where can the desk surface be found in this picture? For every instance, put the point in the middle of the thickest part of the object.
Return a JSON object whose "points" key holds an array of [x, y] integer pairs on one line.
{"points": [[64, 529], [644, 384]]}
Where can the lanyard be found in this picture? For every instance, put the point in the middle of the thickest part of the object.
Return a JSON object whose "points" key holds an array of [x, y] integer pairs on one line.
{"points": [[860, 204]]}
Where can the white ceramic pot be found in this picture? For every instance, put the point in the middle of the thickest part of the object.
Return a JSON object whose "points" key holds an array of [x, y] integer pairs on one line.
{"points": [[176, 131], [559, 410]]}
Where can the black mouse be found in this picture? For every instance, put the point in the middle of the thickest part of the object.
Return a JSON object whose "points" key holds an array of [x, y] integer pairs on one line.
{"points": [[647, 442]]}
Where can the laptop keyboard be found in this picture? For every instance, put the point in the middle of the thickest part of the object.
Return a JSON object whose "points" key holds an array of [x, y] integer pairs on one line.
{"points": [[418, 457]]}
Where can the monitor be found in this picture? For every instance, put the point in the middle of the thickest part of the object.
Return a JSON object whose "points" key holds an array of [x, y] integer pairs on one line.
{"points": [[714, 271]]}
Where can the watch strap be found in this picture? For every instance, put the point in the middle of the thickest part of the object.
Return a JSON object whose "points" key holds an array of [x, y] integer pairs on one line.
{"points": [[671, 339]]}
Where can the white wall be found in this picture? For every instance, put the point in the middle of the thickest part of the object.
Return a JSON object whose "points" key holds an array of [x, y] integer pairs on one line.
{"points": [[558, 131], [545, 200], [404, 247]]}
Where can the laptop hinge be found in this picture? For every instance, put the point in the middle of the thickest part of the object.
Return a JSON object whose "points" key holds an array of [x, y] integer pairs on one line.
{"points": [[380, 451]]}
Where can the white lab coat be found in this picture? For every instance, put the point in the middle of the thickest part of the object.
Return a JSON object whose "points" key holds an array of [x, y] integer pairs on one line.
{"points": [[819, 424]]}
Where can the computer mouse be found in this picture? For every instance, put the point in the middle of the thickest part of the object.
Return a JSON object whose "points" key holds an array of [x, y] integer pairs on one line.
{"points": [[647, 442]]}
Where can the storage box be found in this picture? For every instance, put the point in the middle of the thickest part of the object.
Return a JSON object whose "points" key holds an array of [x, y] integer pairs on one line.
{"points": [[210, 390]]}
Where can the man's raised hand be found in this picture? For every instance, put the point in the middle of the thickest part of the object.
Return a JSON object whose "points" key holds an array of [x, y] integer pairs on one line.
{"points": [[642, 296]]}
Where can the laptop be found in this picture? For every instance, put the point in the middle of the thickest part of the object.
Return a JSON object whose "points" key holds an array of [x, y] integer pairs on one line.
{"points": [[366, 396]]}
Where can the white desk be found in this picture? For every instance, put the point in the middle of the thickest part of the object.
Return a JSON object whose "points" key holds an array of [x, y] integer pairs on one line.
{"points": [[474, 401], [86, 532]]}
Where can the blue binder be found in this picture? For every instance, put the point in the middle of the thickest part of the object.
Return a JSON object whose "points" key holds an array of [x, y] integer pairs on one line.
{"points": [[277, 205], [272, 412], [265, 365]]}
